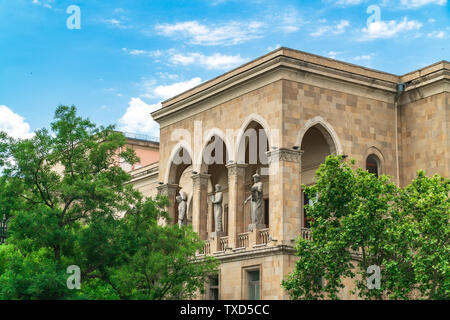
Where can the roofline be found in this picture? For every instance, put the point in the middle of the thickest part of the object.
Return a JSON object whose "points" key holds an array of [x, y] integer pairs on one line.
{"points": [[304, 58]]}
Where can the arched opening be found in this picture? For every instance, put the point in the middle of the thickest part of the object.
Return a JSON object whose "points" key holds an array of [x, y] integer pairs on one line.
{"points": [[179, 179], [316, 144], [373, 164], [252, 149], [214, 158]]}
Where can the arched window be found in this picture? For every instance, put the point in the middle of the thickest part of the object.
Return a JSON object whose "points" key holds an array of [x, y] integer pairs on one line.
{"points": [[317, 143], [373, 164]]}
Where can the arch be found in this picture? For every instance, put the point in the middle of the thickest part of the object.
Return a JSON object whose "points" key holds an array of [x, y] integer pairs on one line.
{"points": [[214, 165], [327, 131], [377, 157], [252, 152], [210, 133], [171, 167], [263, 123]]}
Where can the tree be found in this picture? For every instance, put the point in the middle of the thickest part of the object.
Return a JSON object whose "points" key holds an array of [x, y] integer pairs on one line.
{"points": [[160, 265], [68, 193], [360, 220], [425, 203]]}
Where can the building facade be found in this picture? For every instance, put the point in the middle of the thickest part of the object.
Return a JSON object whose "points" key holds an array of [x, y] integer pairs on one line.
{"points": [[280, 116]]}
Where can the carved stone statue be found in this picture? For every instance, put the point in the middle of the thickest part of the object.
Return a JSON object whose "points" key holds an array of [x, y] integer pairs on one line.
{"points": [[182, 208], [257, 204], [216, 200]]}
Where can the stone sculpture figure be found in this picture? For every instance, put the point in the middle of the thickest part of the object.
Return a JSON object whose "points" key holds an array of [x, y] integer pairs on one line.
{"points": [[216, 200], [257, 204], [182, 208]]}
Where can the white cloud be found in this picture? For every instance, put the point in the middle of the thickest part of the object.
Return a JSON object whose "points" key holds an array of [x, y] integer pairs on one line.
{"points": [[139, 52], [420, 3], [344, 3], [339, 28], [168, 91], [14, 124], [436, 34], [231, 33], [289, 21], [215, 61], [365, 57], [115, 23], [137, 118], [389, 29], [270, 48], [333, 54], [184, 59], [166, 75], [44, 3], [320, 31]]}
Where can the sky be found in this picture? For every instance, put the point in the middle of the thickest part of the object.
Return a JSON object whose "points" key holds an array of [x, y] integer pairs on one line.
{"points": [[116, 60]]}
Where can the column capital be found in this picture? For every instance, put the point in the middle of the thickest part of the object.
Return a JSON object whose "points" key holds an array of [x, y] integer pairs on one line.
{"points": [[165, 189], [284, 154], [234, 168], [201, 178]]}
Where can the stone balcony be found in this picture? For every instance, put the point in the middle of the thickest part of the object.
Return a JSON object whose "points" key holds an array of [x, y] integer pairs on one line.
{"points": [[246, 241]]}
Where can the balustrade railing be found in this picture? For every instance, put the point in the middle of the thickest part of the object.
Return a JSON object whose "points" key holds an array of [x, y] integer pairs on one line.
{"points": [[243, 240], [223, 243], [206, 247], [264, 236]]}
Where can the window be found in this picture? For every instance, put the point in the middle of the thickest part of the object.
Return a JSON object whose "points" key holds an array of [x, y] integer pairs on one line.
{"points": [[373, 164], [253, 284], [214, 287], [266, 212]]}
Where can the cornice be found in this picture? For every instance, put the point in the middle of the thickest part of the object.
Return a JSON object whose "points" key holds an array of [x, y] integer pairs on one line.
{"points": [[255, 253], [288, 64], [274, 64], [144, 175], [216, 89]]}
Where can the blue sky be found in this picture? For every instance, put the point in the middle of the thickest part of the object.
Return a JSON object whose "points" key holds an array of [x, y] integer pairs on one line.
{"points": [[129, 55]]}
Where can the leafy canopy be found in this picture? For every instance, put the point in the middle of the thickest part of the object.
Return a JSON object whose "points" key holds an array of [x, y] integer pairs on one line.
{"points": [[359, 220], [71, 205]]}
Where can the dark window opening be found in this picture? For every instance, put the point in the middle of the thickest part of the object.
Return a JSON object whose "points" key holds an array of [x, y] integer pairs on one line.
{"points": [[372, 164], [225, 219], [253, 285], [266, 212], [214, 287]]}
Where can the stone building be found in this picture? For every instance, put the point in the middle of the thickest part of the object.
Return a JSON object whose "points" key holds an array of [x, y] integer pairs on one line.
{"points": [[280, 116]]}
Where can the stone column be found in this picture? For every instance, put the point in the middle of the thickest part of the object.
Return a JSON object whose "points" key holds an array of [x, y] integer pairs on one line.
{"points": [[236, 197], [285, 195], [170, 191], [210, 214], [200, 204]]}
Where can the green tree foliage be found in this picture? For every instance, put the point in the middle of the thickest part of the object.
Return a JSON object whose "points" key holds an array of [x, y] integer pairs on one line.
{"points": [[71, 205], [359, 220]]}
